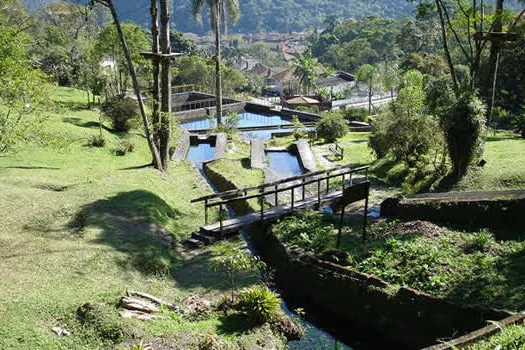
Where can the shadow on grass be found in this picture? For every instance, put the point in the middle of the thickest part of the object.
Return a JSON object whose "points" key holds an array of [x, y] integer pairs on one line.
{"points": [[31, 167], [233, 324], [132, 223], [87, 124], [195, 274], [502, 286]]}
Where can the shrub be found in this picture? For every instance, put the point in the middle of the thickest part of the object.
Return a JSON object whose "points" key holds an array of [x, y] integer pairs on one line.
{"points": [[229, 125], [356, 114], [298, 127], [259, 304], [125, 147], [122, 112], [106, 322], [463, 129], [97, 141], [518, 123], [306, 232], [331, 127]]}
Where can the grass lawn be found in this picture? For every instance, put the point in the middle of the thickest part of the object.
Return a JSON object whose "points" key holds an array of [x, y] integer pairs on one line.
{"points": [[80, 224], [505, 168]]}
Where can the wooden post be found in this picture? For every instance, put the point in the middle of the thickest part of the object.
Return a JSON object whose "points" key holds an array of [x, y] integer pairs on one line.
{"points": [[343, 181], [327, 182], [206, 212], [220, 221], [304, 180], [276, 197], [319, 194], [341, 221], [165, 125], [365, 219], [293, 197]]}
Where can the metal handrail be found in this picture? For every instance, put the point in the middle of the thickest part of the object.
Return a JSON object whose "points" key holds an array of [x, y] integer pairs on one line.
{"points": [[277, 190], [279, 182]]}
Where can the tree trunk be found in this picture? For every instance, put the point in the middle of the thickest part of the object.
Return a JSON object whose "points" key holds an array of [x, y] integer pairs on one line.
{"points": [[488, 92], [157, 163], [218, 80], [370, 99], [448, 57], [156, 116], [165, 125]]}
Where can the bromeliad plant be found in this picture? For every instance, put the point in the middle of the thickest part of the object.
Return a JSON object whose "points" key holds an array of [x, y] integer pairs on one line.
{"points": [[231, 260]]}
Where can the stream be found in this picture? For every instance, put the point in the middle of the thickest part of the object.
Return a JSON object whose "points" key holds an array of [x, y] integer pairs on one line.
{"points": [[284, 164]]}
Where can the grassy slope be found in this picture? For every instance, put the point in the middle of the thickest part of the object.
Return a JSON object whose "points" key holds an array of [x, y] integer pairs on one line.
{"points": [[49, 267]]}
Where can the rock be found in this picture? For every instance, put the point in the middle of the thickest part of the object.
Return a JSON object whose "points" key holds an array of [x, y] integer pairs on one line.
{"points": [[60, 332], [139, 305]]}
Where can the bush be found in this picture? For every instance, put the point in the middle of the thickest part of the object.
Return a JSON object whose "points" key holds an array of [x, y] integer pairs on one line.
{"points": [[331, 127], [518, 123], [125, 147], [107, 323], [463, 129], [298, 127], [97, 141], [259, 304], [122, 112], [307, 232], [229, 125], [356, 114]]}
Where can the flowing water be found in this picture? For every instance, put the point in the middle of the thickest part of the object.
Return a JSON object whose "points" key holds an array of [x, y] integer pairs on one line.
{"points": [[285, 164]]}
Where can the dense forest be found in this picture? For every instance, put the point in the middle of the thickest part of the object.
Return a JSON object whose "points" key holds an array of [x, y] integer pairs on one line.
{"points": [[265, 16]]}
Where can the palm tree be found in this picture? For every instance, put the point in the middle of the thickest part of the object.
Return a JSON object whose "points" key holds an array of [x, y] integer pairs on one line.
{"points": [[306, 70], [220, 11]]}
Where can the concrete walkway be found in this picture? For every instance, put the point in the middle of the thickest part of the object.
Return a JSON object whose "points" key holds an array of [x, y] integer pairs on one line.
{"points": [[306, 156], [257, 154]]}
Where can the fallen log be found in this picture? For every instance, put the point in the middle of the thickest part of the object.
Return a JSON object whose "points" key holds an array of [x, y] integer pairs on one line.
{"points": [[152, 298], [142, 316], [139, 305]]}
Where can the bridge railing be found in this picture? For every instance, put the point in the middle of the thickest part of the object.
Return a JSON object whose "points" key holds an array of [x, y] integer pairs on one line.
{"points": [[223, 199]]}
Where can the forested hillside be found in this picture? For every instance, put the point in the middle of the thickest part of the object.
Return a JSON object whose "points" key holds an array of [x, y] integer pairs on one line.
{"points": [[265, 15]]}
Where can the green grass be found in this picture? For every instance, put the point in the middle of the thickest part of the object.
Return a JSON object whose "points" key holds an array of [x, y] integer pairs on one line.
{"points": [[80, 224], [510, 338], [505, 168]]}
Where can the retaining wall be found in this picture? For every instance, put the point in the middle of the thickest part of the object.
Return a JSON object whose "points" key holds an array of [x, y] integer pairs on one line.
{"points": [[223, 184], [502, 209], [404, 318]]}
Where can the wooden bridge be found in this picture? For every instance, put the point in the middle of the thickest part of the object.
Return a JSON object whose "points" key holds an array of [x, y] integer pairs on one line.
{"points": [[302, 192]]}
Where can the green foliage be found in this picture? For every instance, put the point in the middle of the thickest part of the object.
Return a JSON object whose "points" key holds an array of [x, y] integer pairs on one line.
{"points": [[106, 322], [306, 70], [306, 231], [23, 90], [331, 127], [259, 304], [122, 112], [124, 147], [97, 141], [464, 126], [406, 131], [326, 94], [108, 47], [518, 122], [230, 124], [231, 259], [298, 127], [510, 338], [201, 71]]}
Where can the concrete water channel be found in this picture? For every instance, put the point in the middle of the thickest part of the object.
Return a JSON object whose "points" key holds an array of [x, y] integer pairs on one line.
{"points": [[281, 163]]}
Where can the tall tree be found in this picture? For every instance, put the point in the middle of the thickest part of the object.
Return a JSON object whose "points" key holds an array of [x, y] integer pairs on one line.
{"points": [[306, 70], [370, 75], [220, 10], [157, 161]]}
